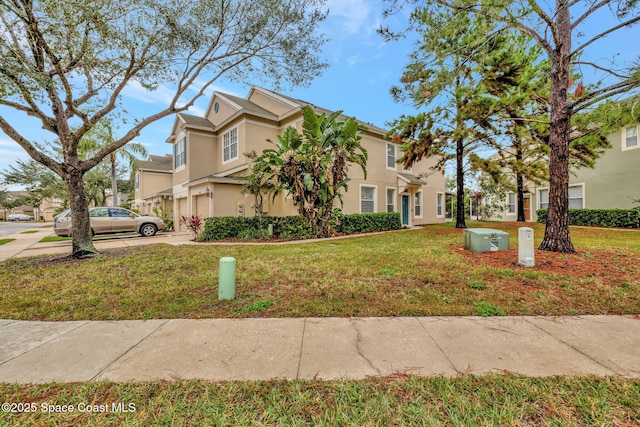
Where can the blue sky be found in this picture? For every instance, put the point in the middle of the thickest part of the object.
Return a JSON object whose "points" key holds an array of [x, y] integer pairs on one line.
{"points": [[362, 68]]}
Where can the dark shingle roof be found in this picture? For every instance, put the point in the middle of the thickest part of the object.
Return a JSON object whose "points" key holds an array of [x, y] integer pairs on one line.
{"points": [[250, 107], [158, 163], [196, 121]]}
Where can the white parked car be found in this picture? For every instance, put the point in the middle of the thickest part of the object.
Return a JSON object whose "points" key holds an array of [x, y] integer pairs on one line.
{"points": [[19, 217]]}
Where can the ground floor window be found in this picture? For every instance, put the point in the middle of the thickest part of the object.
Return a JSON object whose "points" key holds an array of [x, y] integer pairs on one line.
{"points": [[440, 204], [511, 203], [417, 204], [391, 200], [367, 199]]}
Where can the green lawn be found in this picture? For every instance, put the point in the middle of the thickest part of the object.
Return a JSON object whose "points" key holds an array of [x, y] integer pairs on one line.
{"points": [[54, 239], [29, 232], [492, 400], [407, 273], [3, 241]]}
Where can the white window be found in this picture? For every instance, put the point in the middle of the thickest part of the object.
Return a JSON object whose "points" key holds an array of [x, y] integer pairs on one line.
{"points": [[630, 138], [367, 199], [136, 181], [391, 156], [576, 197], [180, 153], [543, 198], [511, 203], [440, 204], [391, 200], [417, 204], [230, 145]]}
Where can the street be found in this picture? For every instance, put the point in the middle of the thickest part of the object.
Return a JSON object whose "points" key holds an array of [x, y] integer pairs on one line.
{"points": [[10, 227]]}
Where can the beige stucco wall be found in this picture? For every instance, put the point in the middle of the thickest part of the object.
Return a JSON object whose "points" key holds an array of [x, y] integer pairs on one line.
{"points": [[151, 182], [225, 110]]}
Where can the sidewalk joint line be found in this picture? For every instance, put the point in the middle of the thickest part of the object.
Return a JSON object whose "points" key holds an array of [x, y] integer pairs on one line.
{"points": [[572, 347], [455, 368], [130, 349], [44, 343], [304, 329]]}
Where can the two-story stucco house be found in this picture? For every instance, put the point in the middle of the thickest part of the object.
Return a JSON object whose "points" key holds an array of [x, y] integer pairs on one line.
{"points": [[614, 182], [153, 184], [209, 156]]}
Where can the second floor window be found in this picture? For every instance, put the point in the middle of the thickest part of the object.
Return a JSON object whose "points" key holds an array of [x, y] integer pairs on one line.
{"points": [[230, 145], [136, 181], [180, 153], [391, 156], [631, 137]]}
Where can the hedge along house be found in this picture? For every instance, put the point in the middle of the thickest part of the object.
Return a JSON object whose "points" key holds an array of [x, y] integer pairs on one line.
{"points": [[209, 159], [613, 183]]}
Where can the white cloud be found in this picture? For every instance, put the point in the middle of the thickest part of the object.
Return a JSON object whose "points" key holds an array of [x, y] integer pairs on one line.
{"points": [[348, 17]]}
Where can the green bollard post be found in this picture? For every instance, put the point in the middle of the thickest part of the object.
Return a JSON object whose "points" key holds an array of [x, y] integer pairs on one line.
{"points": [[227, 279]]}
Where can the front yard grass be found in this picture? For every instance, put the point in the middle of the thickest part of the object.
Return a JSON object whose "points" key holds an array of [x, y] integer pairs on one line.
{"points": [[501, 400], [408, 273], [3, 241]]}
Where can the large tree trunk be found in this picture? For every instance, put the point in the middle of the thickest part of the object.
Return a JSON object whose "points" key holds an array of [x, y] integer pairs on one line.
{"points": [[556, 233], [114, 182], [82, 242], [460, 222], [520, 196]]}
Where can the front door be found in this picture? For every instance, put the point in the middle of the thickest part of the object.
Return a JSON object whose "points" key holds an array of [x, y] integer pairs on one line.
{"points": [[405, 210], [527, 208]]}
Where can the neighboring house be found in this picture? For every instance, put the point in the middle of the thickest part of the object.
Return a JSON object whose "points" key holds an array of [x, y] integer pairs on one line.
{"points": [[152, 184], [48, 209], [24, 209], [209, 157], [614, 182]]}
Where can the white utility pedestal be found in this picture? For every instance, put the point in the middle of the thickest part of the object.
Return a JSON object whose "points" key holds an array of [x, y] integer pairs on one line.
{"points": [[526, 256]]}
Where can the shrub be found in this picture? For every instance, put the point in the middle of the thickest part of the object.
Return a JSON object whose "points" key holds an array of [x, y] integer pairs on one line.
{"points": [[293, 227], [254, 234], [193, 223], [629, 218], [381, 221]]}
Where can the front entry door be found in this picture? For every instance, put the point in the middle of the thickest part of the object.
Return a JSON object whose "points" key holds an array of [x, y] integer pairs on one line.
{"points": [[405, 210], [527, 208]]}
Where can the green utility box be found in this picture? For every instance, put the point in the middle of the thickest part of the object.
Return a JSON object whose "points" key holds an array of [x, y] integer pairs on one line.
{"points": [[485, 239]]}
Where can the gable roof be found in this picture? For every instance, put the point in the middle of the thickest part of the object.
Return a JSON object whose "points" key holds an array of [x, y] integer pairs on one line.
{"points": [[157, 163], [248, 106]]}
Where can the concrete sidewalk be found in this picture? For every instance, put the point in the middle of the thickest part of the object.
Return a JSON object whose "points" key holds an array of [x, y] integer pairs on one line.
{"points": [[322, 348]]}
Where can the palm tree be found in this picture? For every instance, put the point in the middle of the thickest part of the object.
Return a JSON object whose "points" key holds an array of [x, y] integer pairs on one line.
{"points": [[102, 137], [312, 167]]}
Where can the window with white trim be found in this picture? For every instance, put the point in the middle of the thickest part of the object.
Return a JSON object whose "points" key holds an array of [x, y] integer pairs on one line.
{"points": [[417, 204], [136, 181], [440, 204], [630, 138], [391, 156], [367, 199], [511, 203], [543, 198], [180, 153], [576, 197], [230, 145], [391, 200]]}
